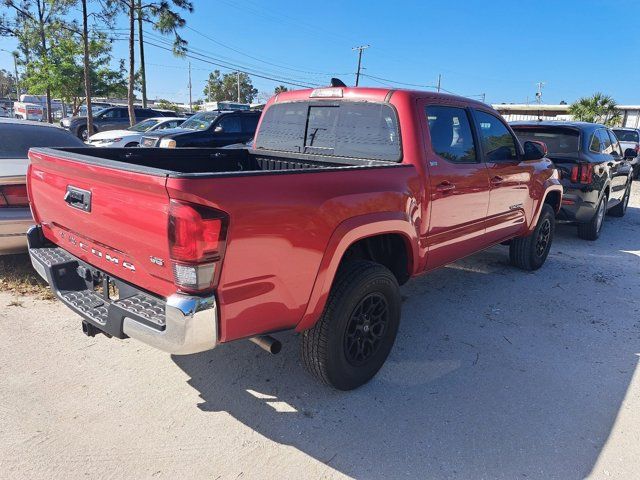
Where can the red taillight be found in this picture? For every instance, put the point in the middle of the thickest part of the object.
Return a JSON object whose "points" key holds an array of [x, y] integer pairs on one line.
{"points": [[637, 149], [14, 196], [196, 244], [582, 173]]}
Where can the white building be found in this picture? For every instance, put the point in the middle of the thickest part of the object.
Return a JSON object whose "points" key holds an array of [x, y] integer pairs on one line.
{"points": [[533, 111]]}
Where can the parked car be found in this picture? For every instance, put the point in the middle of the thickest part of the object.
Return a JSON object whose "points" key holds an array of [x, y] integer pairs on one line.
{"points": [[132, 135], [347, 193], [207, 129], [630, 138], [594, 171], [16, 137], [112, 118]]}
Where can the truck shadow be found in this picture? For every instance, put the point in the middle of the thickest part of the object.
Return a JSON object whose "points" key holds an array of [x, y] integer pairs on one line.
{"points": [[495, 373]]}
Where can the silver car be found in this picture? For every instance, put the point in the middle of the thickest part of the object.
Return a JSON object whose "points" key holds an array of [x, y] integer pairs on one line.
{"points": [[16, 137]]}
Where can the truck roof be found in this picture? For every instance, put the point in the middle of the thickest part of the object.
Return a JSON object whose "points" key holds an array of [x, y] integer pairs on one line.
{"points": [[372, 94]]}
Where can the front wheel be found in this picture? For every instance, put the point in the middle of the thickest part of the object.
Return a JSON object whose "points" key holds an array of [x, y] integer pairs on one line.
{"points": [[354, 335], [530, 252]]}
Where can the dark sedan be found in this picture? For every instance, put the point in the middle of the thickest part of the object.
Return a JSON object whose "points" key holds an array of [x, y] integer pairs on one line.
{"points": [[594, 171], [213, 129]]}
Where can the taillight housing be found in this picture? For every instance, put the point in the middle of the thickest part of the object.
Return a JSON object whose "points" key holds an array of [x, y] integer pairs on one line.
{"points": [[14, 196], [197, 240], [582, 173]]}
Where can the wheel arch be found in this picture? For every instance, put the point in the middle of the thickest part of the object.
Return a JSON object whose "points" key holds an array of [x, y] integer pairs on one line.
{"points": [[352, 235]]}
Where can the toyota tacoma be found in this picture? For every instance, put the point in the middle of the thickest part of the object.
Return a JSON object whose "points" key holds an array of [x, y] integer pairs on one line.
{"points": [[344, 196]]}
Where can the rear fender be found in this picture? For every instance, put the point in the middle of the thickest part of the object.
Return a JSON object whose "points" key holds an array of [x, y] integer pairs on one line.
{"points": [[345, 235]]}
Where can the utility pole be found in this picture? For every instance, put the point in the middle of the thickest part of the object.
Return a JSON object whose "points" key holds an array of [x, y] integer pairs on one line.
{"points": [[439, 82], [484, 96], [143, 75], [360, 49], [539, 92], [190, 105], [209, 96], [15, 66], [238, 78]]}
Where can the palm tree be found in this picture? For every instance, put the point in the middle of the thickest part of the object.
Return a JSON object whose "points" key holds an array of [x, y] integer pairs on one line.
{"points": [[599, 108]]}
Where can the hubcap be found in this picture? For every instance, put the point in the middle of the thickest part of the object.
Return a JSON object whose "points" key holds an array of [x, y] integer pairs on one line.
{"points": [[544, 235], [601, 209], [366, 329]]}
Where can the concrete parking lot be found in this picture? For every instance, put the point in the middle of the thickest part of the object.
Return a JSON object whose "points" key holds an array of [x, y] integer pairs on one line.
{"points": [[496, 373]]}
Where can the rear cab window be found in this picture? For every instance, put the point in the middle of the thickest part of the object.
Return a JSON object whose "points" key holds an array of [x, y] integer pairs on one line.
{"points": [[342, 129]]}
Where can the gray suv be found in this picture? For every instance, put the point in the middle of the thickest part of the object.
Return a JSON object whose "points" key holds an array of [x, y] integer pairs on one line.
{"points": [[112, 118]]}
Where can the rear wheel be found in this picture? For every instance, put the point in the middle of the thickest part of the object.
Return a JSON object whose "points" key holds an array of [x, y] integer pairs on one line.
{"points": [[530, 252], [591, 230], [83, 134], [354, 335], [620, 209]]}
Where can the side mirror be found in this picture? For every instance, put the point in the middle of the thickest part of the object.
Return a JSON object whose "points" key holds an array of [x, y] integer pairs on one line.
{"points": [[630, 153], [534, 150], [218, 129]]}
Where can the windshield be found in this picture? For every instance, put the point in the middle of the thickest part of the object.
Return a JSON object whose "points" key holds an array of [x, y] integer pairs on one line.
{"points": [[558, 140], [144, 125], [200, 121], [627, 135]]}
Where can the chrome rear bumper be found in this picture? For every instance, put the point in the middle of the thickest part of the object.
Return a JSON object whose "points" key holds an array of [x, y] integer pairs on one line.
{"points": [[181, 324]]}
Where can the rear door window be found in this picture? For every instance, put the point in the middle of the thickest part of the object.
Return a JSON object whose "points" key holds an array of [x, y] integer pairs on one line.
{"points": [[615, 146], [250, 123], [230, 124], [450, 133], [344, 129]]}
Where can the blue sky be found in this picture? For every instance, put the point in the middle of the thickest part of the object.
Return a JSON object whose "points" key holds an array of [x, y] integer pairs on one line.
{"points": [[495, 47]]}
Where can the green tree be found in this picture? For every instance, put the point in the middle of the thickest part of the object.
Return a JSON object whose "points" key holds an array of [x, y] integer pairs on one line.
{"points": [[35, 24], [63, 71], [167, 105], [280, 89], [7, 84], [598, 108], [225, 87], [165, 17]]}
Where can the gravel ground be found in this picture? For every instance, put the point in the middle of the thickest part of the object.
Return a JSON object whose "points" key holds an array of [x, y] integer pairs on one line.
{"points": [[496, 373]]}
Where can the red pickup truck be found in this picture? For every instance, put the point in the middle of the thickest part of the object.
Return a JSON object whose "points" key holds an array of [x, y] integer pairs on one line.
{"points": [[346, 194]]}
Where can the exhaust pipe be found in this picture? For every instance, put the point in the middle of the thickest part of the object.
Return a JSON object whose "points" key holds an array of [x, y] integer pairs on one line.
{"points": [[268, 343]]}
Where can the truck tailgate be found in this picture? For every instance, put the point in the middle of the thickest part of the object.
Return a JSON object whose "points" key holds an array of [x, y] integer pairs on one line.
{"points": [[113, 219]]}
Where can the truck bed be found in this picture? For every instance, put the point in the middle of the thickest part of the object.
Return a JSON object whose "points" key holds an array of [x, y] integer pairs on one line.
{"points": [[282, 210], [189, 162]]}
